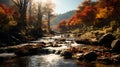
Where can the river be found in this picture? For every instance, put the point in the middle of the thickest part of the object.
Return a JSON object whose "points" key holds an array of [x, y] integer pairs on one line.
{"points": [[48, 60]]}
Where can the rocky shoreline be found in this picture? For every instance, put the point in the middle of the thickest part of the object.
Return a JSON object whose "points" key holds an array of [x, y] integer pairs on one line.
{"points": [[105, 50]]}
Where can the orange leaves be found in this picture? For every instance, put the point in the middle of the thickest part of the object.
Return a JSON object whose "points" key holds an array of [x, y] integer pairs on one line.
{"points": [[86, 15], [104, 12], [90, 13], [2, 10], [62, 26], [6, 9]]}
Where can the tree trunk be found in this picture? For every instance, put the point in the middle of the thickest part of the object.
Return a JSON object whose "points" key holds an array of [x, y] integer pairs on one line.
{"points": [[49, 30], [39, 29]]}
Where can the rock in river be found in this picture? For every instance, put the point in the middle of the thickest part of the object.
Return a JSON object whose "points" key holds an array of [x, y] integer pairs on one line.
{"points": [[66, 54], [116, 46], [90, 56], [106, 40]]}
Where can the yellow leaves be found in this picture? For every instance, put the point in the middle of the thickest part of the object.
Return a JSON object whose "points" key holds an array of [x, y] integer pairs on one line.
{"points": [[104, 12], [12, 23]]}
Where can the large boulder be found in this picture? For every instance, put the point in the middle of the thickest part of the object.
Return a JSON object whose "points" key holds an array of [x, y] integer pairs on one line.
{"points": [[82, 41], [105, 60], [116, 59], [66, 54], [106, 40], [90, 56], [27, 50], [116, 46]]}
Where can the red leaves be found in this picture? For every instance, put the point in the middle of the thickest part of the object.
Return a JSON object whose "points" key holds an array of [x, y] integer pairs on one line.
{"points": [[62, 23], [62, 26], [87, 15], [6, 9], [88, 12]]}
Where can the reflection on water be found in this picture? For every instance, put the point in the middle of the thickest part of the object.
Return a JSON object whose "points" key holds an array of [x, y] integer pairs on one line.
{"points": [[50, 60]]}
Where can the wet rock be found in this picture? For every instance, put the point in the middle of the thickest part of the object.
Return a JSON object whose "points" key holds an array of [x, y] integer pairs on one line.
{"points": [[61, 39], [44, 51], [82, 41], [80, 51], [116, 59], [58, 52], [42, 44], [84, 49], [90, 56], [56, 45], [106, 40], [6, 56], [11, 50], [52, 51], [66, 54], [79, 56], [33, 51], [116, 46], [74, 49], [94, 42], [105, 60], [22, 52], [27, 50]]}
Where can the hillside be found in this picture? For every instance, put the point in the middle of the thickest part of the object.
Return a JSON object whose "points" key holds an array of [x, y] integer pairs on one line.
{"points": [[62, 16]]}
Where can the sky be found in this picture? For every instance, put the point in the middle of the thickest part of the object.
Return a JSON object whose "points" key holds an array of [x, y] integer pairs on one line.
{"points": [[7, 2], [63, 6]]}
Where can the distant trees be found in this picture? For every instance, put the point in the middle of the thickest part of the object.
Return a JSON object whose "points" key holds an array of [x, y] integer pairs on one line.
{"points": [[84, 15], [97, 13], [42, 11], [62, 26], [49, 8]]}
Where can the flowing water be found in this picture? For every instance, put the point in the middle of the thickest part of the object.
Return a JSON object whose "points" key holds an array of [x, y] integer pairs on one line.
{"points": [[48, 60]]}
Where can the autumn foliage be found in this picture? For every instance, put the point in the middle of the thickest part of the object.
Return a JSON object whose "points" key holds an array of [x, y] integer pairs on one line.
{"points": [[6, 9], [92, 13], [6, 18]]}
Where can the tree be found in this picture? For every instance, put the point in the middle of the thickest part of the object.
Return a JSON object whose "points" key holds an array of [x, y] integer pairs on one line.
{"points": [[62, 26], [22, 6], [48, 8], [6, 19], [40, 15]]}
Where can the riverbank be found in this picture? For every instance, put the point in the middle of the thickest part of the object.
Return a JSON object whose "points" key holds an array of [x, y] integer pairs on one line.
{"points": [[66, 47]]}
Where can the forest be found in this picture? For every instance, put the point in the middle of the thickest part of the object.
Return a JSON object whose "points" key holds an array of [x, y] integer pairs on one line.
{"points": [[99, 17], [33, 35], [25, 20]]}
